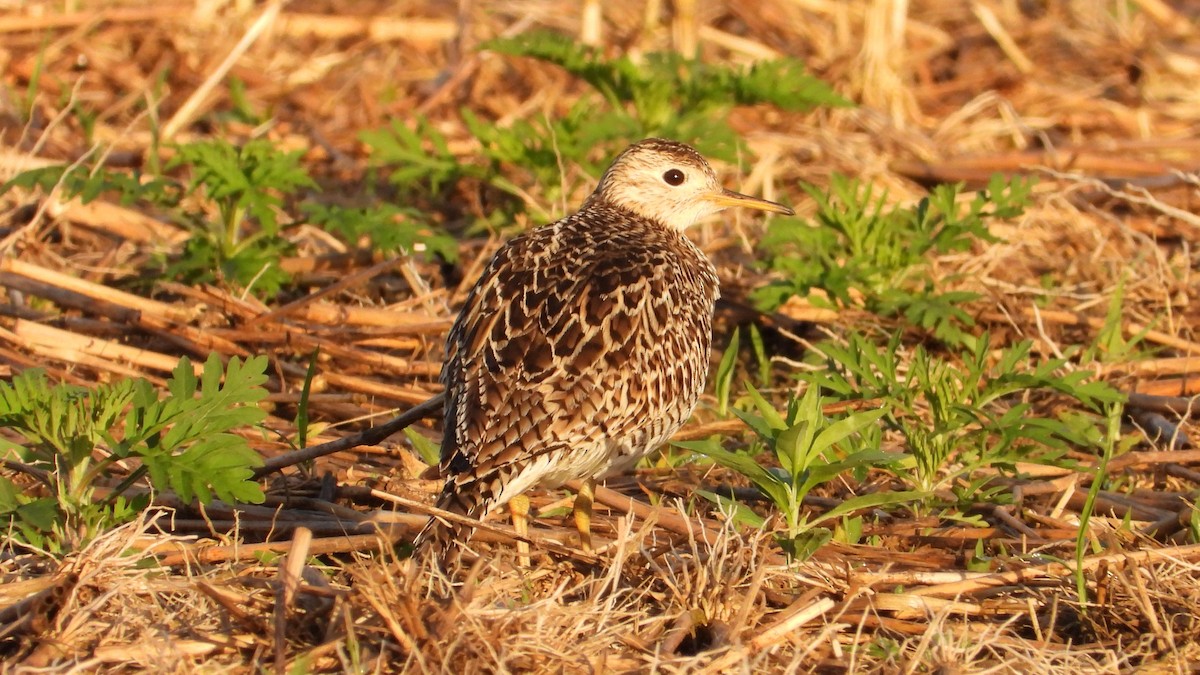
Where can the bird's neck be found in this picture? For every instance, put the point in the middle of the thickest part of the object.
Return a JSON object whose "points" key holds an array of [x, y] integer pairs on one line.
{"points": [[598, 203]]}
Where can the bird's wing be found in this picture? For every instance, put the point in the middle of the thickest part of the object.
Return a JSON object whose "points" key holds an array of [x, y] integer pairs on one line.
{"points": [[538, 328]]}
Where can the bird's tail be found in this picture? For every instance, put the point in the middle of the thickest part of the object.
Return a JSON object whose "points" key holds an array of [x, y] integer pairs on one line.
{"points": [[446, 539]]}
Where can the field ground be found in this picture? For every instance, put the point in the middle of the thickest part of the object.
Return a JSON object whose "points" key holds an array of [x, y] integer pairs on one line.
{"points": [[981, 571]]}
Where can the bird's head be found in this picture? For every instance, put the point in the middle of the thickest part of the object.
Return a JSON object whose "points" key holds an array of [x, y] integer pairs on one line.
{"points": [[671, 183]]}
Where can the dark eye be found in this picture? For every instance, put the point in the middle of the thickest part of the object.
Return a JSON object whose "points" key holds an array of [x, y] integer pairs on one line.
{"points": [[673, 177]]}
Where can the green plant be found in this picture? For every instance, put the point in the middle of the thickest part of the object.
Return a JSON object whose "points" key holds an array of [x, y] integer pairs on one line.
{"points": [[1110, 445], [723, 379], [242, 109], [665, 94], [811, 450], [726, 372], [74, 437], [885, 649], [861, 252], [969, 409], [24, 108], [246, 186], [420, 158], [420, 165], [1110, 345], [389, 229], [427, 450], [760, 356], [849, 530], [543, 148], [234, 209], [86, 117], [662, 94], [302, 420], [90, 183]]}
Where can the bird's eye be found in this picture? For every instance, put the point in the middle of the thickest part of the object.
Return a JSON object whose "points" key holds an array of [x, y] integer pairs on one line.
{"points": [[673, 177]]}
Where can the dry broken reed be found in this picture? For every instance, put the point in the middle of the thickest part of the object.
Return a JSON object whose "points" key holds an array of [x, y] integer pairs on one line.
{"points": [[1098, 99]]}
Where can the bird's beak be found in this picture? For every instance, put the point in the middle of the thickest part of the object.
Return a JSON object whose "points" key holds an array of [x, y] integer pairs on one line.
{"points": [[727, 198]]}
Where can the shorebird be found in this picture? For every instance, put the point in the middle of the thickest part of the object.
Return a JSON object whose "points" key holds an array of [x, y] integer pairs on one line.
{"points": [[584, 345]]}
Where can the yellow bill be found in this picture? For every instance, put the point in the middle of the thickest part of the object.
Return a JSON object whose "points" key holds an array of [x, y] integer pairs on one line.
{"points": [[729, 198]]}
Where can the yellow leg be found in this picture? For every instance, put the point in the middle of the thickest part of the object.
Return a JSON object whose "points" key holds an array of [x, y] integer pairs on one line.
{"points": [[583, 513], [519, 507]]}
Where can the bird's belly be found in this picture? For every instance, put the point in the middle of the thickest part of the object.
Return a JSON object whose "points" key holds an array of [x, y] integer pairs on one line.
{"points": [[552, 469], [592, 460]]}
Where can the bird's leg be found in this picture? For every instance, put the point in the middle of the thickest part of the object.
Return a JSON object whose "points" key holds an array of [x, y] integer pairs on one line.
{"points": [[519, 507], [583, 513]]}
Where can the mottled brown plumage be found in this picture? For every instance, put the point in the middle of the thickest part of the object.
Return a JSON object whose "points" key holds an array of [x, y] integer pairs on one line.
{"points": [[585, 343]]}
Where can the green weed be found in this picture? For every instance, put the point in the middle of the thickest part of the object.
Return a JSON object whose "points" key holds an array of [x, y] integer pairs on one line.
{"points": [[242, 110], [427, 450], [25, 107], [1111, 345], [760, 356], [1111, 445], [234, 209], [665, 94], [421, 167], [859, 248], [389, 229], [661, 95], [302, 419], [723, 378], [90, 183], [727, 371], [811, 450], [963, 414], [245, 186], [420, 158], [74, 437]]}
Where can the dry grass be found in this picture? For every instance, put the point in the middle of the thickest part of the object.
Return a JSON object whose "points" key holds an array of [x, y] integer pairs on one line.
{"points": [[1098, 99]]}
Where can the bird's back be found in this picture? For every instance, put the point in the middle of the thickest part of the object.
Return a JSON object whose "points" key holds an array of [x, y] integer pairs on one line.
{"points": [[583, 346]]}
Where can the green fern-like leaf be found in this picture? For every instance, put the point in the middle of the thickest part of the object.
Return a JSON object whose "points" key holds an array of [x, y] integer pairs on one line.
{"points": [[73, 435], [89, 183], [420, 158], [672, 96], [189, 430], [859, 250], [250, 179], [388, 228], [970, 411]]}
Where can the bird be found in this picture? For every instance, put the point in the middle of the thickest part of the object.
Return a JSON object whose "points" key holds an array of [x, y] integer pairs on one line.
{"points": [[583, 346]]}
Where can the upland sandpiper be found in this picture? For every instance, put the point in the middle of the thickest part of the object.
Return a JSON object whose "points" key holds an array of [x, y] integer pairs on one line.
{"points": [[585, 343]]}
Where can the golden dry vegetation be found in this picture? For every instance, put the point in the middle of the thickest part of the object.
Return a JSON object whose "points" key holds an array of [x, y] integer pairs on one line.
{"points": [[1098, 100]]}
